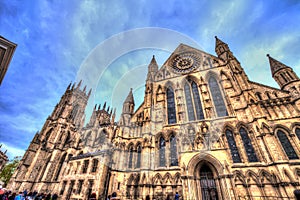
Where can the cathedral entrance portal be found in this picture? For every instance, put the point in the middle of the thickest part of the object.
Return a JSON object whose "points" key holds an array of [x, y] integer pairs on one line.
{"points": [[207, 184]]}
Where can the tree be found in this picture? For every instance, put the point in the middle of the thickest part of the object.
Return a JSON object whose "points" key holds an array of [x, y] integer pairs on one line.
{"points": [[9, 169]]}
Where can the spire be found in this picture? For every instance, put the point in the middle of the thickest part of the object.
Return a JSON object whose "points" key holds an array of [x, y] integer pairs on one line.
{"points": [[153, 67], [69, 86], [275, 65], [79, 84], [221, 48], [129, 98]]}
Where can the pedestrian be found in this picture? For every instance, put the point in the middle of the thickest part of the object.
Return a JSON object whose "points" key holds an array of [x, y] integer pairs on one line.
{"points": [[19, 196], [48, 197], [108, 197], [177, 196], [54, 196], [93, 196]]}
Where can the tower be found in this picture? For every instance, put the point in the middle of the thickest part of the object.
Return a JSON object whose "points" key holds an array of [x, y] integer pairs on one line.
{"points": [[45, 158], [284, 75]]}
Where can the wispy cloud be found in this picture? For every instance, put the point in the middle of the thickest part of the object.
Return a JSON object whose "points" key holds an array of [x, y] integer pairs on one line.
{"points": [[55, 37]]}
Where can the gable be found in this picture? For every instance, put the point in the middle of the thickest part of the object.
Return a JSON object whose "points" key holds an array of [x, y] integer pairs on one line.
{"points": [[186, 59]]}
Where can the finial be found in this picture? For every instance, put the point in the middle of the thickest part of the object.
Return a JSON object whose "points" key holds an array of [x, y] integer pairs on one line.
{"points": [[69, 86], [216, 37], [90, 92], [114, 112], [268, 55], [99, 106], [84, 88], [73, 86], [79, 84], [104, 105], [95, 107], [108, 109]]}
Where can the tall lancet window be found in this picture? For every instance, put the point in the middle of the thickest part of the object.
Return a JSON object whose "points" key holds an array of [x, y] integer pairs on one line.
{"points": [[217, 97], [139, 155], [233, 148], [287, 146], [173, 150], [171, 106], [248, 146], [74, 112], [162, 152], [130, 157], [298, 132], [193, 103]]}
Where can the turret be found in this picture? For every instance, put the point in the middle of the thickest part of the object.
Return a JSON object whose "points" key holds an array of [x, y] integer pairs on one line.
{"points": [[224, 53], [152, 69], [128, 105], [222, 50], [284, 75]]}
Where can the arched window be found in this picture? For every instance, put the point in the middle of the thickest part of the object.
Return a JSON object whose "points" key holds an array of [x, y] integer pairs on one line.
{"points": [[171, 106], [233, 148], [130, 157], [207, 183], [193, 102], [189, 103], [58, 168], [298, 132], [162, 152], [139, 155], [248, 146], [217, 97], [74, 112], [287, 146], [95, 165], [173, 150]]}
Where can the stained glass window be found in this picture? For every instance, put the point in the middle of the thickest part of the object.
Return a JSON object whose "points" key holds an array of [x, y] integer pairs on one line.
{"points": [[217, 97], [162, 152], [248, 146], [193, 102], [171, 106], [189, 103], [233, 148], [298, 132], [173, 150], [139, 155], [130, 157], [287, 146], [197, 101]]}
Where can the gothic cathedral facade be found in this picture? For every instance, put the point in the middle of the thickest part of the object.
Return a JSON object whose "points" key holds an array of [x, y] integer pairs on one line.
{"points": [[204, 131]]}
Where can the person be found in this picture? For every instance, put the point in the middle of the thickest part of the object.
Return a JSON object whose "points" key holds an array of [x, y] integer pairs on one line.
{"points": [[93, 196], [108, 197], [297, 194], [48, 197], [19, 197], [54, 196], [177, 196]]}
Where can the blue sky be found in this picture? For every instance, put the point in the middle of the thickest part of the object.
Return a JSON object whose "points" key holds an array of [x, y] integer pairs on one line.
{"points": [[56, 38]]}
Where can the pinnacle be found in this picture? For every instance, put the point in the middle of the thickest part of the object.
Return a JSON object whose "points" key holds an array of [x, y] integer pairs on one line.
{"points": [[275, 65], [129, 98]]}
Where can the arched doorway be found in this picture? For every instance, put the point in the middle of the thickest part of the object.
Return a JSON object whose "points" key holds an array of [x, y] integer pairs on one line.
{"points": [[208, 189]]}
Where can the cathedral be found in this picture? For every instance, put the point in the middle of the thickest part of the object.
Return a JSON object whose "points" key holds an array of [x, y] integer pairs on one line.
{"points": [[203, 130]]}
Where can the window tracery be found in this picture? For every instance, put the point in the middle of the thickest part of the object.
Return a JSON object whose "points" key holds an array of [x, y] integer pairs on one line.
{"points": [[248, 146], [173, 150], [217, 97], [287, 146], [171, 106], [232, 145], [162, 152]]}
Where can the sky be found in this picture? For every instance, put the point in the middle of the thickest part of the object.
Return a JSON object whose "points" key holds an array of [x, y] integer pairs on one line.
{"points": [[109, 44]]}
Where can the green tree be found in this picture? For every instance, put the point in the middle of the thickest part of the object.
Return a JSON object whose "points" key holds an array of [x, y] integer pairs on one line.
{"points": [[9, 169]]}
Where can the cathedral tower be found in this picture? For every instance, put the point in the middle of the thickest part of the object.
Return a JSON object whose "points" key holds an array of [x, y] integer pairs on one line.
{"points": [[45, 158]]}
